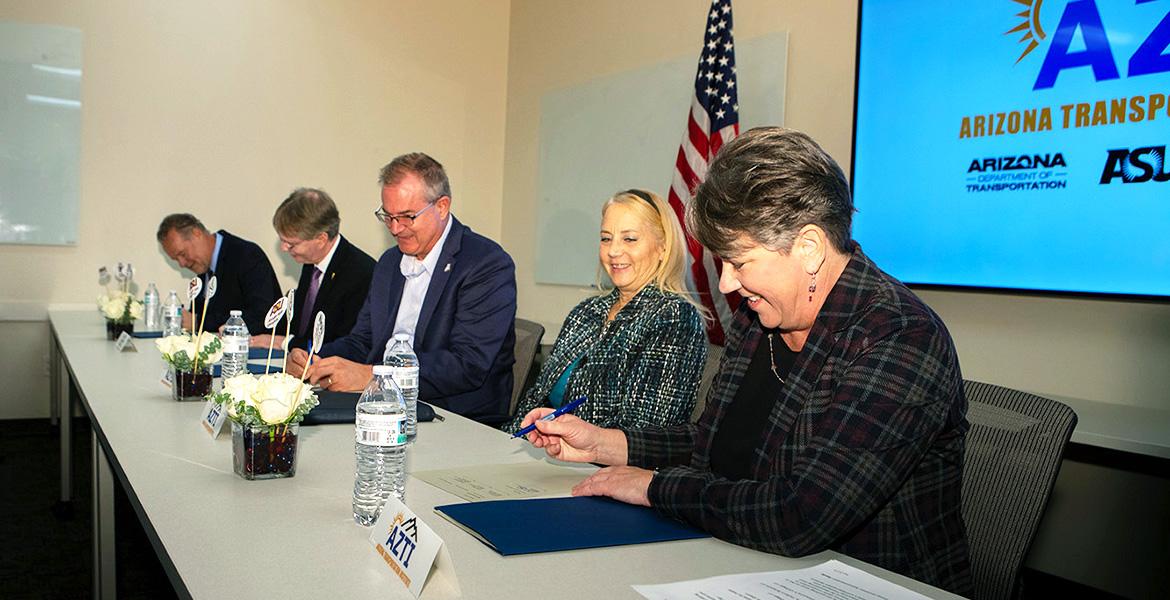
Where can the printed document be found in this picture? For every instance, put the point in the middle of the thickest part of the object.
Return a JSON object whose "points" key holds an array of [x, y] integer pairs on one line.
{"points": [[832, 580]]}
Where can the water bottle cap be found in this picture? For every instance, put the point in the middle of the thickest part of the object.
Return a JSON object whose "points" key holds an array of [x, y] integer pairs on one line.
{"points": [[402, 337], [381, 370], [236, 313]]}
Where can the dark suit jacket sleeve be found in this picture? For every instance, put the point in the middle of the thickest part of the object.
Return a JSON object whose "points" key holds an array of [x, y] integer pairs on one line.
{"points": [[260, 287], [485, 314], [887, 409], [356, 345]]}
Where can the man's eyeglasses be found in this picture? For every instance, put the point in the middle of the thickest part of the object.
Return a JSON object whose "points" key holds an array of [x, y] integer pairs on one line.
{"points": [[405, 220]]}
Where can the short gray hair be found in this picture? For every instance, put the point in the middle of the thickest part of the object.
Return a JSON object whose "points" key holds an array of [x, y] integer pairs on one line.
{"points": [[305, 213], [183, 223], [767, 184], [432, 174]]}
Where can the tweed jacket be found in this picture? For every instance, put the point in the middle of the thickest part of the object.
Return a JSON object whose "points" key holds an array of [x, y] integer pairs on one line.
{"points": [[863, 451], [641, 369]]}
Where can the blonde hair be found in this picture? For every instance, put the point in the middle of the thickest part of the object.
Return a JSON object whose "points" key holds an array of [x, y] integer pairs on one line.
{"points": [[659, 219]]}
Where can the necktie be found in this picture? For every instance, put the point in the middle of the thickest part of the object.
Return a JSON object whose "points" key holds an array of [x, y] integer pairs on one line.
{"points": [[310, 300]]}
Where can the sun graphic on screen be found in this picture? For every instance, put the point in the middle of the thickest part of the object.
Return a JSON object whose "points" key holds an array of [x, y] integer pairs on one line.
{"points": [[1030, 25]]}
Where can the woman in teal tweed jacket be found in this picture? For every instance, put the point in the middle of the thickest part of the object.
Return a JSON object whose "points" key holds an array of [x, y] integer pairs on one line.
{"points": [[636, 352]]}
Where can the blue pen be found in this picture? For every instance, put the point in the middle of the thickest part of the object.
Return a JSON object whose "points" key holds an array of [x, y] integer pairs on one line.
{"points": [[567, 408]]}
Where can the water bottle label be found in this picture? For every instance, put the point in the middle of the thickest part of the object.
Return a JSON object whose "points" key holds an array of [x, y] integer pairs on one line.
{"points": [[406, 377], [380, 430], [234, 343]]}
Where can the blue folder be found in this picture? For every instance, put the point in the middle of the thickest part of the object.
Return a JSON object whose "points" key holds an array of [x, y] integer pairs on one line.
{"points": [[552, 524], [146, 334]]}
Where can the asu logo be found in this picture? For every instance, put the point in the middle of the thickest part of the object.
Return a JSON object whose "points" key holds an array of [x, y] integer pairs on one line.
{"points": [[399, 545], [1081, 26], [1136, 166]]}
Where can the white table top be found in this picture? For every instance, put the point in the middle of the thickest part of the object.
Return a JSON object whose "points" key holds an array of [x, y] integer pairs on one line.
{"points": [[231, 538]]}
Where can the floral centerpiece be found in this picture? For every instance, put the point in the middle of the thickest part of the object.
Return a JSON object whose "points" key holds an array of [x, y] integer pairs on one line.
{"points": [[190, 370], [265, 412], [118, 306]]}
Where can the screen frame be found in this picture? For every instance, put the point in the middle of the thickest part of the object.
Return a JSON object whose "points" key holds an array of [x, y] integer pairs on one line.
{"points": [[974, 289]]}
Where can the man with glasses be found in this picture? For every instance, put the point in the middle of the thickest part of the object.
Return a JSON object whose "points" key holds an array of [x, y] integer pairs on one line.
{"points": [[336, 274], [244, 278], [449, 289]]}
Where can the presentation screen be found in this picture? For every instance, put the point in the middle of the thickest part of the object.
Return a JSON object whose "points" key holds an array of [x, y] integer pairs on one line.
{"points": [[1015, 144]]}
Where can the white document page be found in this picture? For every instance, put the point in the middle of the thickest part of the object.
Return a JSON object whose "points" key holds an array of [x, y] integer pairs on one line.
{"points": [[533, 479], [832, 580]]}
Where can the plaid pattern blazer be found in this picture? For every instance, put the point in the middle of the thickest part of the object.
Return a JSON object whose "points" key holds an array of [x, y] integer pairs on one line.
{"points": [[863, 451], [641, 369]]}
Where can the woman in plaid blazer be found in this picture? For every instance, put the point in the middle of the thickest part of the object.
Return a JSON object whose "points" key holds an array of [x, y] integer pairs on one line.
{"points": [[837, 420], [636, 352]]}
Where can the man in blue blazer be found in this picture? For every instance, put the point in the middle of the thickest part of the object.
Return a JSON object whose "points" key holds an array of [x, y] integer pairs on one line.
{"points": [[245, 280], [449, 289]]}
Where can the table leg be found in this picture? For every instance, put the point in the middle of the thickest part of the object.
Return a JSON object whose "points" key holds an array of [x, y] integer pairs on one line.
{"points": [[54, 377], [65, 412], [104, 574]]}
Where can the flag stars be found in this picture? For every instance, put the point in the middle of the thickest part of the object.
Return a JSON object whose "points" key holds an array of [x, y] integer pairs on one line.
{"points": [[726, 8], [728, 46], [725, 98], [712, 29], [730, 84], [710, 91], [719, 77], [720, 113], [710, 60], [723, 61], [711, 44]]}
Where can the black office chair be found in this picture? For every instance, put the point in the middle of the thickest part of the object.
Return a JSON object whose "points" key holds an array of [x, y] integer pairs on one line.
{"points": [[528, 337], [1014, 450]]}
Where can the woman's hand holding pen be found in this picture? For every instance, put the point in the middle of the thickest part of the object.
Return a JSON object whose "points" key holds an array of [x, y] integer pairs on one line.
{"points": [[571, 439]]}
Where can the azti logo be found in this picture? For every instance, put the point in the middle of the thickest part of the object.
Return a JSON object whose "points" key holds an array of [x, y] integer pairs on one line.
{"points": [[1136, 166], [399, 545], [1082, 40]]}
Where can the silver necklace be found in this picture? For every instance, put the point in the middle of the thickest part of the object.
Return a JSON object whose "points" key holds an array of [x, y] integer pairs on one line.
{"points": [[772, 359]]}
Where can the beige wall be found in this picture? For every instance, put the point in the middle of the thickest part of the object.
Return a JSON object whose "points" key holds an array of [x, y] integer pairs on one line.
{"points": [[222, 107], [556, 44]]}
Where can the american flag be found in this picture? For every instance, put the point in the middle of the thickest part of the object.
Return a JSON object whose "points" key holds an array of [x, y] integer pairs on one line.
{"points": [[713, 121]]}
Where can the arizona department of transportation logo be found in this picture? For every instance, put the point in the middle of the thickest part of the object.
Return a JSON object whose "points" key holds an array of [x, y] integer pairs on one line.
{"points": [[1138, 165], [1017, 173]]}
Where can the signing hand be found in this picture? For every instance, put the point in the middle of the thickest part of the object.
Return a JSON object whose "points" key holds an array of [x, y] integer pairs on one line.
{"points": [[627, 484], [296, 362], [262, 340], [571, 439], [337, 374]]}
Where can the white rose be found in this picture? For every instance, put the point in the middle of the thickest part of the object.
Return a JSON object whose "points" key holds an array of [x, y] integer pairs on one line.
{"points": [[275, 410], [241, 387]]}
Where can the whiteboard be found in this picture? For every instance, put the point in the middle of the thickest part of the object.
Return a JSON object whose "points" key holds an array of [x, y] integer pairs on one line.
{"points": [[623, 131], [40, 133]]}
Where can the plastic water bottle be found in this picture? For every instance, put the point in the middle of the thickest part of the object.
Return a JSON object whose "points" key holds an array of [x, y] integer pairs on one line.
{"points": [[402, 358], [380, 447], [151, 311], [172, 315], [235, 346]]}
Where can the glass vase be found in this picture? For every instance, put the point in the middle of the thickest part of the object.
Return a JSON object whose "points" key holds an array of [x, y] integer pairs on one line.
{"points": [[115, 329], [188, 386], [264, 451]]}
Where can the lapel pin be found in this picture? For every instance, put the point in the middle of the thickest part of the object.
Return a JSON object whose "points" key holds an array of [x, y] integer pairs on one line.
{"points": [[447, 269]]}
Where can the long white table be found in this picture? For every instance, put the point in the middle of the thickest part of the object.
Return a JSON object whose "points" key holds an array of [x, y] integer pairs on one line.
{"points": [[219, 536]]}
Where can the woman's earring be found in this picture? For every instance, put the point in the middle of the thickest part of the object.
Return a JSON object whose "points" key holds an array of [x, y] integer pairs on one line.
{"points": [[812, 286]]}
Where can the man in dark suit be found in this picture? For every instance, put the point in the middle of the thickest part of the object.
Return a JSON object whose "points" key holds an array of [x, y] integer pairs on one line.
{"points": [[244, 278], [336, 274], [449, 289]]}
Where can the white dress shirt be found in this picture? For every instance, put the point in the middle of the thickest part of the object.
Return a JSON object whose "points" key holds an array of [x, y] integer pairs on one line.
{"points": [[414, 291]]}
